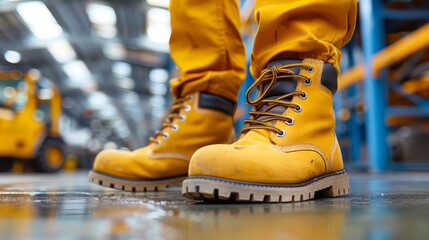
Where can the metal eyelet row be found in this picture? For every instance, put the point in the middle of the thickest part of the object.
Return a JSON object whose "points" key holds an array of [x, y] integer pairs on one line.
{"points": [[289, 123], [303, 96], [307, 81], [175, 127]]}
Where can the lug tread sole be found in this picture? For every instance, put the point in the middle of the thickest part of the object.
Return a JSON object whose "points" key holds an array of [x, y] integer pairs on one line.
{"points": [[218, 189], [133, 185]]}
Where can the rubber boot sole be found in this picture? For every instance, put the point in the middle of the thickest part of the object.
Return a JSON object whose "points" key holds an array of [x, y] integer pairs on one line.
{"points": [[133, 185], [218, 189]]}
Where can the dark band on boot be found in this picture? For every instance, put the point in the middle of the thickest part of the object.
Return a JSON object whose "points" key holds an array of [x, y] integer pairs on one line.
{"points": [[329, 77], [216, 102]]}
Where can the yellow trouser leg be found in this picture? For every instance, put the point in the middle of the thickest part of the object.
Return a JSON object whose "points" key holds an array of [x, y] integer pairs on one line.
{"points": [[206, 46], [301, 29]]}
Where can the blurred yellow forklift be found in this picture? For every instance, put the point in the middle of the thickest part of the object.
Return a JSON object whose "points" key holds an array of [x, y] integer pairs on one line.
{"points": [[30, 112]]}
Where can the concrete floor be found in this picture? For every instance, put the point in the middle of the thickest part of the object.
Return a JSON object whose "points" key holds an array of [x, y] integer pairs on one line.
{"points": [[65, 206]]}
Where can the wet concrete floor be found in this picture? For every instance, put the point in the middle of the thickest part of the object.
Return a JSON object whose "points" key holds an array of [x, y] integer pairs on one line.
{"points": [[66, 206]]}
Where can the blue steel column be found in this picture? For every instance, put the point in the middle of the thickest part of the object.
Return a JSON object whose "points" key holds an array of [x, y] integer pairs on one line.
{"points": [[372, 23], [354, 122]]}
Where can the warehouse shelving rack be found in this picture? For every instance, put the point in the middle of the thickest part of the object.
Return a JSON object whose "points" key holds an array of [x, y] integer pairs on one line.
{"points": [[373, 14]]}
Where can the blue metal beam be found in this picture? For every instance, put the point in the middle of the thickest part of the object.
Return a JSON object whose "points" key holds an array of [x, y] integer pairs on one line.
{"points": [[410, 166], [410, 14], [409, 111], [375, 89], [356, 138]]}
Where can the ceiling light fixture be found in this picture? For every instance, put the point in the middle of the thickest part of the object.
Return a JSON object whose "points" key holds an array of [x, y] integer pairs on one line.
{"points": [[103, 19], [159, 3], [12, 56], [78, 73], [158, 25], [62, 51], [39, 19]]}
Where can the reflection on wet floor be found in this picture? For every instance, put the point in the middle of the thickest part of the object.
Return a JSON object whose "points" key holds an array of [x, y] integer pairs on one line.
{"points": [[388, 206]]}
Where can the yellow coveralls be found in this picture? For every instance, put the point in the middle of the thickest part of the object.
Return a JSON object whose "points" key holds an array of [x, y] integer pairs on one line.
{"points": [[207, 47]]}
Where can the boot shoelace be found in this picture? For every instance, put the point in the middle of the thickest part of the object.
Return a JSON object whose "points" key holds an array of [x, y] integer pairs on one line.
{"points": [[260, 116], [169, 122]]}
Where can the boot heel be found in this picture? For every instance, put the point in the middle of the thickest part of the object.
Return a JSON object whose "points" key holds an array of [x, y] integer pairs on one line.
{"points": [[339, 186]]}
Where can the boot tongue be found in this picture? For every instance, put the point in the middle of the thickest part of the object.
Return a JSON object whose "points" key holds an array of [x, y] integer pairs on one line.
{"points": [[282, 85]]}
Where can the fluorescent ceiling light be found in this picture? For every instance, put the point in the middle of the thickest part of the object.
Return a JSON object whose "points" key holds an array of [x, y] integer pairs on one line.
{"points": [[126, 83], [156, 100], [107, 31], [158, 25], [98, 100], [39, 19], [130, 98], [114, 50], [157, 88], [159, 3], [12, 56], [158, 75], [103, 19], [108, 112], [62, 51], [101, 14], [78, 73], [121, 69]]}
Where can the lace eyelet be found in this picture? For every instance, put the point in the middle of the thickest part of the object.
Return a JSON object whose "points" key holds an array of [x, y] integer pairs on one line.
{"points": [[190, 98], [187, 108], [303, 96], [182, 118], [290, 122], [307, 82], [157, 143], [166, 135], [282, 134], [298, 110], [174, 128], [310, 69]]}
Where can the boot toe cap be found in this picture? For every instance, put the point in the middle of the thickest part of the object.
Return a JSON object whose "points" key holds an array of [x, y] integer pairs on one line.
{"points": [[257, 164], [138, 165], [111, 161]]}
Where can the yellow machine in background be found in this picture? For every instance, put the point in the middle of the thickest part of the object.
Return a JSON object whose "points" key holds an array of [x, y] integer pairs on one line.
{"points": [[29, 122]]}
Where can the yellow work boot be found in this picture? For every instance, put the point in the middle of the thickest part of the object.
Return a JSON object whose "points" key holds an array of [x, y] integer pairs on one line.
{"points": [[288, 150], [195, 121]]}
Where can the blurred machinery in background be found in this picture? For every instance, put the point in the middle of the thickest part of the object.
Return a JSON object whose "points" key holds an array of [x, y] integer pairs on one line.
{"points": [[109, 59], [30, 110], [384, 119]]}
